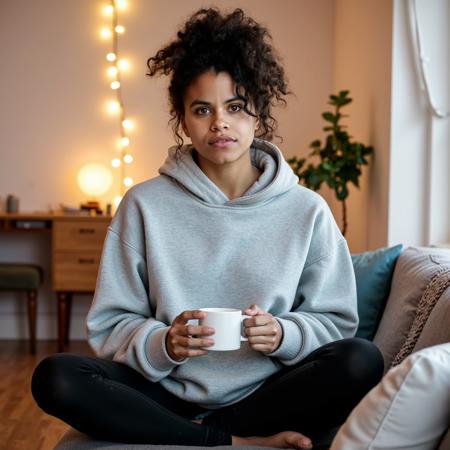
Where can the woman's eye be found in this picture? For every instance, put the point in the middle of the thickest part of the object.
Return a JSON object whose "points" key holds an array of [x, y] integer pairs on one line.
{"points": [[235, 107], [202, 111]]}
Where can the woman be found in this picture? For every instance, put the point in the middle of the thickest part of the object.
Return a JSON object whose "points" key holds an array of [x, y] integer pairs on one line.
{"points": [[224, 225]]}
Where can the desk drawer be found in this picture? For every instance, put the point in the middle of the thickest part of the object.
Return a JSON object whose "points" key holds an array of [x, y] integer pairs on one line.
{"points": [[79, 235], [75, 271]]}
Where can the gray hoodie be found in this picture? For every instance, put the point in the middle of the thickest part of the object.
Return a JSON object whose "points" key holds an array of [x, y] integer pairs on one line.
{"points": [[178, 243]]}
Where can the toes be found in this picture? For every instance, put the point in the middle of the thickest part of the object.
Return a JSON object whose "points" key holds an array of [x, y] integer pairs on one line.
{"points": [[299, 440]]}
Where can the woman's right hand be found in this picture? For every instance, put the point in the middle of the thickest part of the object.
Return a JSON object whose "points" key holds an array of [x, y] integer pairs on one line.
{"points": [[184, 341]]}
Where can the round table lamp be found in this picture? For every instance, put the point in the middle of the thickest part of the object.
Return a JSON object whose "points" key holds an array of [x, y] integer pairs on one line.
{"points": [[94, 180]]}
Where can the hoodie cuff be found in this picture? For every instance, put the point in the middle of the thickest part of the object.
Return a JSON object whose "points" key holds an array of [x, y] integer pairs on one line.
{"points": [[157, 351], [291, 343]]}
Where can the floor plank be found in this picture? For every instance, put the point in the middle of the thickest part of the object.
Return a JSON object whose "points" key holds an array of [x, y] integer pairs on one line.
{"points": [[23, 426]]}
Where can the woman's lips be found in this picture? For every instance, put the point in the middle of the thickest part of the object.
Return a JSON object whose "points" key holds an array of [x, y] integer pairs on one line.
{"points": [[222, 141]]}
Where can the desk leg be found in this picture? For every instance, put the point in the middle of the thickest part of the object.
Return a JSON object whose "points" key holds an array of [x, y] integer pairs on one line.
{"points": [[68, 315], [62, 318]]}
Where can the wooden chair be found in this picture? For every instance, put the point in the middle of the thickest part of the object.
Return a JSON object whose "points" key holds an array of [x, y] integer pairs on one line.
{"points": [[27, 278]]}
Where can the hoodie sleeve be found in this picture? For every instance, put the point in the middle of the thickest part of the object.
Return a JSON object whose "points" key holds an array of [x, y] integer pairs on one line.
{"points": [[120, 323], [326, 308]]}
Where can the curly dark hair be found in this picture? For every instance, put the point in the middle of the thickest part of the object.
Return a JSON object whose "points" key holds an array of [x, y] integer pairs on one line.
{"points": [[232, 43]]}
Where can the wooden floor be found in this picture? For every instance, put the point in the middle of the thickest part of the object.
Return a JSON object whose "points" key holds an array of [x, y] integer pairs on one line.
{"points": [[23, 426]]}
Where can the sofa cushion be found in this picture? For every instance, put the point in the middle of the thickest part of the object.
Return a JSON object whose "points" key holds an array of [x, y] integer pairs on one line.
{"points": [[427, 303], [414, 270], [373, 273], [408, 409], [437, 328]]}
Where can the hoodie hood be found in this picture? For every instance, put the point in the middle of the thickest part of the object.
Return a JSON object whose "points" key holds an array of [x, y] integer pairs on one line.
{"points": [[276, 178]]}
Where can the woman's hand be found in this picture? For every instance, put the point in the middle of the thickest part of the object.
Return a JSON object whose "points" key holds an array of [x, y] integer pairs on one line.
{"points": [[185, 340], [264, 332]]}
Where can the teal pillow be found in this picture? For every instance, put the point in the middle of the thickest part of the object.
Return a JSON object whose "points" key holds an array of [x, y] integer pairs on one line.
{"points": [[373, 272]]}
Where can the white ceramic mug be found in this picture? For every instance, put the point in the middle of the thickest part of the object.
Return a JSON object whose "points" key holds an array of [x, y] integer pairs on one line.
{"points": [[227, 324]]}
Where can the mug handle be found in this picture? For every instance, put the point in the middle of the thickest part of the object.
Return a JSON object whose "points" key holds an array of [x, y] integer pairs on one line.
{"points": [[243, 317]]}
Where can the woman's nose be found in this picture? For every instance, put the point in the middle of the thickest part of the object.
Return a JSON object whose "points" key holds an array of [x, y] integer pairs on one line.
{"points": [[219, 122]]}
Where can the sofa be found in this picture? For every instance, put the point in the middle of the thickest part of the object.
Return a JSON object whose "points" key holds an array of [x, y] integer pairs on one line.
{"points": [[404, 307]]}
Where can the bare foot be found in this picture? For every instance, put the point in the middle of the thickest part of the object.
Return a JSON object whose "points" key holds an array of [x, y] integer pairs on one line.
{"points": [[285, 439], [199, 421]]}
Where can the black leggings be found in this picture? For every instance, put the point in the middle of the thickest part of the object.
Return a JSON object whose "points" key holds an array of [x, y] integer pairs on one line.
{"points": [[110, 401]]}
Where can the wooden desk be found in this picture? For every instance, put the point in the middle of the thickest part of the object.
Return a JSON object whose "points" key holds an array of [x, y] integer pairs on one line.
{"points": [[77, 243]]}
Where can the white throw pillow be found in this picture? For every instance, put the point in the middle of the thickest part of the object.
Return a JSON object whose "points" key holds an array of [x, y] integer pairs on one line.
{"points": [[408, 409]]}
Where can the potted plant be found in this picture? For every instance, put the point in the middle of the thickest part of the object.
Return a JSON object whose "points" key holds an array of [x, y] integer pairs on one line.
{"points": [[340, 158]]}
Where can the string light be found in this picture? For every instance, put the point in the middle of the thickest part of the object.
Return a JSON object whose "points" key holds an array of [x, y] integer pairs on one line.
{"points": [[116, 67], [116, 162], [113, 71], [123, 65], [106, 33], [111, 57]]}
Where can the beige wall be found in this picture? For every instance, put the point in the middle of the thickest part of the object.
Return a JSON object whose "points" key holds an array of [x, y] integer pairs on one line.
{"points": [[53, 88], [362, 64]]}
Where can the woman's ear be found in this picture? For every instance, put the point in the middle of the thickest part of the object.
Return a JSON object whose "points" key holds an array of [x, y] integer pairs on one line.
{"points": [[183, 125]]}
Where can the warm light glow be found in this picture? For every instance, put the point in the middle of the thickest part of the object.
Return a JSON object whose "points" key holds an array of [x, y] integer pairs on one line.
{"points": [[105, 33], [111, 56], [124, 142], [123, 64], [115, 85], [113, 107], [120, 29], [94, 179], [116, 162], [128, 124], [122, 4], [128, 159], [108, 10], [128, 181], [113, 71]]}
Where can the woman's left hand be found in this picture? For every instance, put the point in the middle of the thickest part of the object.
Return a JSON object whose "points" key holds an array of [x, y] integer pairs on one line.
{"points": [[264, 332]]}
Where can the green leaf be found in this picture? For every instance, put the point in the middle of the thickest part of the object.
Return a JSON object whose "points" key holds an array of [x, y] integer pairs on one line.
{"points": [[329, 117]]}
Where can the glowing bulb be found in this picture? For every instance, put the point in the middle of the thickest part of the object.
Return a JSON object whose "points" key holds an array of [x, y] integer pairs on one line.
{"points": [[114, 107], [128, 159], [122, 4], [115, 85], [128, 124], [120, 29], [113, 71], [108, 10], [128, 181], [111, 56], [124, 142], [116, 162], [105, 33], [123, 64], [94, 179]]}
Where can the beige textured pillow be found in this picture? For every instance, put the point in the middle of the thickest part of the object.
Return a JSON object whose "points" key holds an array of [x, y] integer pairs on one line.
{"points": [[408, 409], [437, 329], [413, 272]]}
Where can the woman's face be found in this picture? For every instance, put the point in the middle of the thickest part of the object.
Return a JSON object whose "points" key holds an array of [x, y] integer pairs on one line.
{"points": [[215, 120]]}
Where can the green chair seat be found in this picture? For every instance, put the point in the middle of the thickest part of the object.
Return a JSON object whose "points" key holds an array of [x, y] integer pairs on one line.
{"points": [[20, 276]]}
